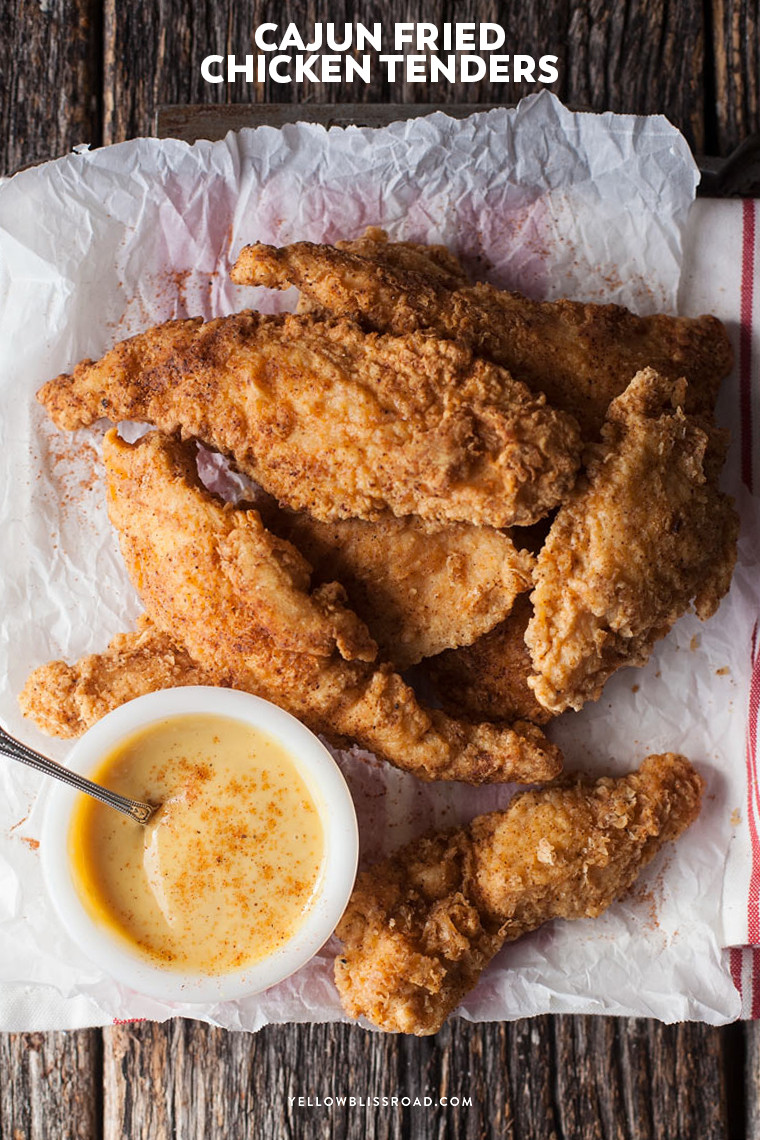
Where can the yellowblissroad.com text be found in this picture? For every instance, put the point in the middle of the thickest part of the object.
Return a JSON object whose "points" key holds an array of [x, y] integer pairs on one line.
{"points": [[337, 1101]]}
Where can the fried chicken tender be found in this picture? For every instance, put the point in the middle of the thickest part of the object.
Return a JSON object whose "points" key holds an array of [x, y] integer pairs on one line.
{"points": [[419, 586], [422, 925], [488, 680], [644, 534], [211, 577], [416, 592], [336, 421], [65, 700], [580, 355]]}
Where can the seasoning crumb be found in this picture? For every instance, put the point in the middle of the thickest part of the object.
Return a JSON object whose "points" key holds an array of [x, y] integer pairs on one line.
{"points": [[19, 822]]}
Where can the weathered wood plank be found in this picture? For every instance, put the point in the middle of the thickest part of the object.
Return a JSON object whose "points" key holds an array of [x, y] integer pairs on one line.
{"points": [[50, 1086], [641, 55], [49, 79], [533, 1080], [736, 45], [223, 1084], [199, 121], [642, 1079]]}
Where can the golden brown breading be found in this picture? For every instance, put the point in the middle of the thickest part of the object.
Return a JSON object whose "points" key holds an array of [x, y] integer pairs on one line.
{"points": [[421, 926], [420, 587], [580, 355], [65, 700], [436, 261], [488, 680], [338, 422], [644, 534], [197, 565]]}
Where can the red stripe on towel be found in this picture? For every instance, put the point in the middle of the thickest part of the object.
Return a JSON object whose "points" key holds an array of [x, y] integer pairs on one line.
{"points": [[735, 961], [753, 901]]}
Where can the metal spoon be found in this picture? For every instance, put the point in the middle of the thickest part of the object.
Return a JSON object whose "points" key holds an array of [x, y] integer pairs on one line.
{"points": [[14, 749]]}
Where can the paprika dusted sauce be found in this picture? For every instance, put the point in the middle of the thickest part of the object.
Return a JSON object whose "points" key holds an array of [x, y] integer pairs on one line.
{"points": [[226, 871]]}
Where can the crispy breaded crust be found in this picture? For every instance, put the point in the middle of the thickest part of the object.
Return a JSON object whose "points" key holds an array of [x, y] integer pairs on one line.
{"points": [[211, 577], [436, 261], [422, 925], [489, 679], [645, 534], [420, 587], [336, 421], [580, 355], [65, 700]]}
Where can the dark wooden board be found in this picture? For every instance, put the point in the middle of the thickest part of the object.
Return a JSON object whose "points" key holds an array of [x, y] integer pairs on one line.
{"points": [[751, 1082], [549, 1077], [95, 71], [571, 1077], [534, 1079], [50, 70], [735, 28], [135, 47], [198, 121]]}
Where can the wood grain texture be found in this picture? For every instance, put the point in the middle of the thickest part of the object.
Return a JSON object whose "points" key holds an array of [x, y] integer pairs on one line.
{"points": [[751, 1080], [152, 54], [50, 1086], [532, 1080], [49, 79], [642, 56], [198, 121], [735, 26]]}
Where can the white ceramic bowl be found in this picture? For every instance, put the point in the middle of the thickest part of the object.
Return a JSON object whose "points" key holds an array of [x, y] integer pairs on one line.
{"points": [[326, 785]]}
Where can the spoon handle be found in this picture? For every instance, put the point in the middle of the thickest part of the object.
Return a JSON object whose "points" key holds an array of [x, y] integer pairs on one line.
{"points": [[15, 750]]}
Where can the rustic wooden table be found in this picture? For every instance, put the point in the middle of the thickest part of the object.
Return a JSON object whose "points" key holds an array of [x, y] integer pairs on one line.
{"points": [[95, 71]]}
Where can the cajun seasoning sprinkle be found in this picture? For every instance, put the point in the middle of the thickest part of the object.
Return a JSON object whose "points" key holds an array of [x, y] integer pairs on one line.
{"points": [[226, 871]]}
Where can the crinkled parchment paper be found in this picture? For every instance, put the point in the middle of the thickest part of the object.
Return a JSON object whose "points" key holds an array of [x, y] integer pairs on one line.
{"points": [[101, 244]]}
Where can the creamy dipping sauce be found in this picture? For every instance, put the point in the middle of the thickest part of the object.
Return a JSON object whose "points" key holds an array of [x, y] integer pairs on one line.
{"points": [[226, 872]]}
